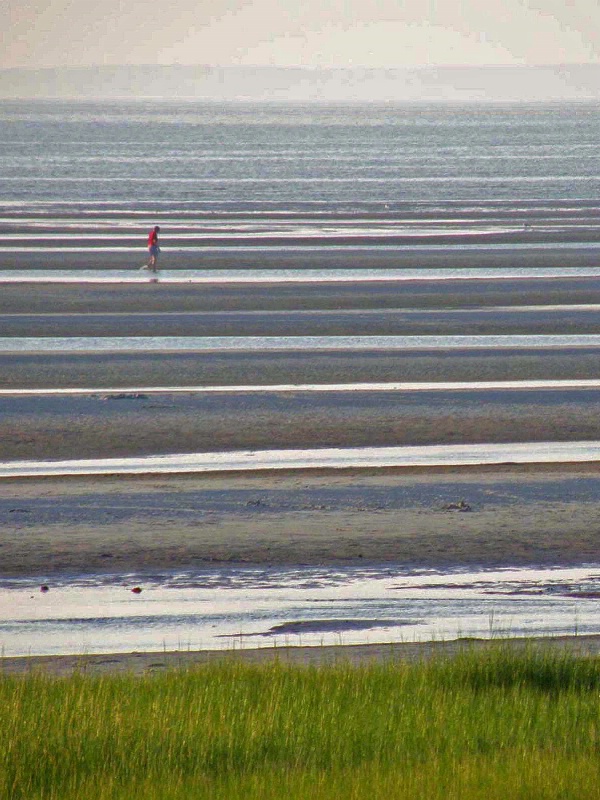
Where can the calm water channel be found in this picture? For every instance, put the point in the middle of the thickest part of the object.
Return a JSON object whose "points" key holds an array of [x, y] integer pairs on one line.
{"points": [[258, 607]]}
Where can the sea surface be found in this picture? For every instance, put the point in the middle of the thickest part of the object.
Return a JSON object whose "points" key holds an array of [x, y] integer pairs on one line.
{"points": [[91, 175]]}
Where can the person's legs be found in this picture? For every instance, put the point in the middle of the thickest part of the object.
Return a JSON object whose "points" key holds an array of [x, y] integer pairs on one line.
{"points": [[153, 263]]}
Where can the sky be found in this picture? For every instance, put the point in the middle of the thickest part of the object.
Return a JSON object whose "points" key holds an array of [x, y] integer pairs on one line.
{"points": [[311, 33]]}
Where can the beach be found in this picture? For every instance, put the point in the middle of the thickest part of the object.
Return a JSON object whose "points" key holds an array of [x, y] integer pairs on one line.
{"points": [[123, 529], [546, 520], [366, 516], [542, 515], [343, 292]]}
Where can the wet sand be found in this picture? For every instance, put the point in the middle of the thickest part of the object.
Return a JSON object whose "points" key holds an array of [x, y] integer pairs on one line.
{"points": [[138, 424], [519, 515], [381, 322], [317, 252], [106, 370], [148, 297], [176, 522]]}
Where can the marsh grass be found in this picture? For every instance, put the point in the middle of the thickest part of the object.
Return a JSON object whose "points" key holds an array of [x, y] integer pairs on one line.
{"points": [[490, 725]]}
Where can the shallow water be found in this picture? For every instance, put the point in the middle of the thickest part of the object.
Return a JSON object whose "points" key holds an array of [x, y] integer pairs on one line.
{"points": [[317, 458], [293, 275], [129, 392], [256, 607], [133, 344]]}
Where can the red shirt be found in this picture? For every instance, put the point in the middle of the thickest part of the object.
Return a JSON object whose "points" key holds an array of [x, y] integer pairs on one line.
{"points": [[152, 238]]}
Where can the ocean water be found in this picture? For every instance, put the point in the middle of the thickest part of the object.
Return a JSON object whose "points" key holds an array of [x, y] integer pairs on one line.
{"points": [[232, 172]]}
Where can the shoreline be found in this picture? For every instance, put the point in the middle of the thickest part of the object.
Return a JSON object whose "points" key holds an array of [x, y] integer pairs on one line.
{"points": [[151, 662]]}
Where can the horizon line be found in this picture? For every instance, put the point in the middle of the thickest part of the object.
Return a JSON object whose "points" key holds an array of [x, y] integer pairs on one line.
{"points": [[308, 67]]}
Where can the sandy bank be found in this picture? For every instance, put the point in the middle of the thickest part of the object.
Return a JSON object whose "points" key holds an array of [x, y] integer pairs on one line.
{"points": [[97, 426], [541, 250], [148, 297], [113, 525], [144, 663]]}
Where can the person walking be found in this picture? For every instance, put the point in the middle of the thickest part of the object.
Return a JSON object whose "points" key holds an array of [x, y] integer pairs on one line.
{"points": [[153, 249]]}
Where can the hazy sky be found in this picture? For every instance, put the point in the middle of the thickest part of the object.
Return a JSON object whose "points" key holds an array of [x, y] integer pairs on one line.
{"points": [[377, 33]]}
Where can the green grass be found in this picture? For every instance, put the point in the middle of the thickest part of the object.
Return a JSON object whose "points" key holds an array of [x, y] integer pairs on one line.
{"points": [[491, 725]]}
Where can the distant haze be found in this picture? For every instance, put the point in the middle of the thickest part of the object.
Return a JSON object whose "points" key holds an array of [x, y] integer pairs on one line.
{"points": [[312, 33], [433, 84]]}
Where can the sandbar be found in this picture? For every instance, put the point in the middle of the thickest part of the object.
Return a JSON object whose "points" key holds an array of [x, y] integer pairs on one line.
{"points": [[518, 516]]}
